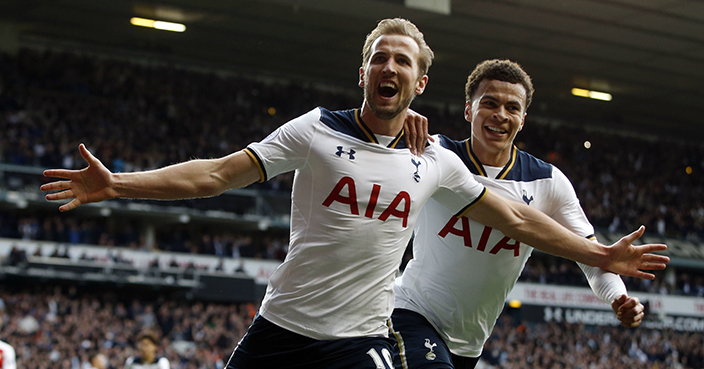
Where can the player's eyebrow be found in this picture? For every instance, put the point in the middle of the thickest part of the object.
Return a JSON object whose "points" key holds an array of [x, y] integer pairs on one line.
{"points": [[496, 99], [388, 53]]}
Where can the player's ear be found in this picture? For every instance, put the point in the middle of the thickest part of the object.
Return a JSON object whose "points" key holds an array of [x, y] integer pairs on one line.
{"points": [[468, 111], [361, 77], [422, 82], [523, 122]]}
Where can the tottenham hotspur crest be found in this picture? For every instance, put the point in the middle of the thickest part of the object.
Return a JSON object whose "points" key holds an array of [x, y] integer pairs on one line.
{"points": [[430, 355], [526, 199], [416, 175]]}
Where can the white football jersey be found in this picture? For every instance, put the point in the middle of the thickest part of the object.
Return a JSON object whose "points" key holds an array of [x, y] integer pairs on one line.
{"points": [[462, 271], [7, 356], [354, 205]]}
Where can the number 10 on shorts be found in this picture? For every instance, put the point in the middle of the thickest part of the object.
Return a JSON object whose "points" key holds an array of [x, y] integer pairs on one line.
{"points": [[377, 358]]}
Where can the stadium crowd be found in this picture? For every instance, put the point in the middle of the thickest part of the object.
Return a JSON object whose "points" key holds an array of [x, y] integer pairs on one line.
{"points": [[569, 346], [58, 326], [141, 115], [547, 269]]}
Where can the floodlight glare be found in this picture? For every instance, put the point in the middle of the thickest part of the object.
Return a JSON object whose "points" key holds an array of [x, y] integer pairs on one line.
{"points": [[161, 25], [596, 95]]}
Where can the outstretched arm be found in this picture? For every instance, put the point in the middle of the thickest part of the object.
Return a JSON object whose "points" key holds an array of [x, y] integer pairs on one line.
{"points": [[191, 179], [531, 226]]}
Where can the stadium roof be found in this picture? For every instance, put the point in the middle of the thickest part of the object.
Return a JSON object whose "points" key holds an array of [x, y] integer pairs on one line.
{"points": [[649, 54]]}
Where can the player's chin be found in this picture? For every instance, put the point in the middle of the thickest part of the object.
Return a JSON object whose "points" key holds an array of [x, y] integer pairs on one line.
{"points": [[387, 112]]}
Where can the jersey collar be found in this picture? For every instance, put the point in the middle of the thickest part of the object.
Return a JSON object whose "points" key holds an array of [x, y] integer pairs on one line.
{"points": [[477, 168], [396, 143]]}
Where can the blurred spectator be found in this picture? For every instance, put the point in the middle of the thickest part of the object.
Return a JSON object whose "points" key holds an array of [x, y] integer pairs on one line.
{"points": [[147, 359], [17, 257], [98, 361]]}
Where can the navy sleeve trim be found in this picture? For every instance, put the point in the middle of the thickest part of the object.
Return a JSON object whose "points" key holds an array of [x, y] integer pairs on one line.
{"points": [[472, 204], [260, 165]]}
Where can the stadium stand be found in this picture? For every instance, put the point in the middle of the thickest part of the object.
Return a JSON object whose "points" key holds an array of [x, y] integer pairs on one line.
{"points": [[563, 345], [142, 114], [58, 325]]}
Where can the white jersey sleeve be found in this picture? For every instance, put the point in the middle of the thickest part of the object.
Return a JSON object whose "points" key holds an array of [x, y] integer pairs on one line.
{"points": [[285, 149], [568, 212], [566, 208], [608, 286]]}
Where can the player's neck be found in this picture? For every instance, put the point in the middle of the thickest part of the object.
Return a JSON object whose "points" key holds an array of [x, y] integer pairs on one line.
{"points": [[378, 126], [491, 157]]}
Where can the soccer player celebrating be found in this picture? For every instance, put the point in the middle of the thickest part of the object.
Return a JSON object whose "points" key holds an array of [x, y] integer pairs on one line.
{"points": [[356, 195], [454, 288]]}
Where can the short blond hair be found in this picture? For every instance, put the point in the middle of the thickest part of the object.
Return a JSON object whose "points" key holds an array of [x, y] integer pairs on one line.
{"points": [[403, 27]]}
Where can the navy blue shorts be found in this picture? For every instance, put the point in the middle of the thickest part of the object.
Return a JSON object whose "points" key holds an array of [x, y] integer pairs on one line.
{"points": [[420, 345], [267, 345]]}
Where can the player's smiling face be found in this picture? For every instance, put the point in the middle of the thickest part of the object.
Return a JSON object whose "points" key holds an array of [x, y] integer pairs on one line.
{"points": [[391, 76], [497, 113]]}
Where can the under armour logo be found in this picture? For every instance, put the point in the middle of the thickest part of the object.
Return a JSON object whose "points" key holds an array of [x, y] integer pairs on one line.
{"points": [[340, 152], [416, 176], [552, 315], [430, 355], [526, 199]]}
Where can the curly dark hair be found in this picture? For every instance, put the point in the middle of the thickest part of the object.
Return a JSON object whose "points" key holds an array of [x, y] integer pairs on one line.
{"points": [[500, 70], [151, 336]]}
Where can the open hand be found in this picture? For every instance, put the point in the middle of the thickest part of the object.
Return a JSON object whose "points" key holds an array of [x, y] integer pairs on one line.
{"points": [[627, 259], [90, 184]]}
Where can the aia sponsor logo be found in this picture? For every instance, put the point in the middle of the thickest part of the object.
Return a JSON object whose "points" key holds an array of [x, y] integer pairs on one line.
{"points": [[462, 230], [345, 192]]}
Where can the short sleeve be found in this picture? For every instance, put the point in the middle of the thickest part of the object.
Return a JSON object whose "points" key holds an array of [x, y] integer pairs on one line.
{"points": [[566, 208], [286, 149]]}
